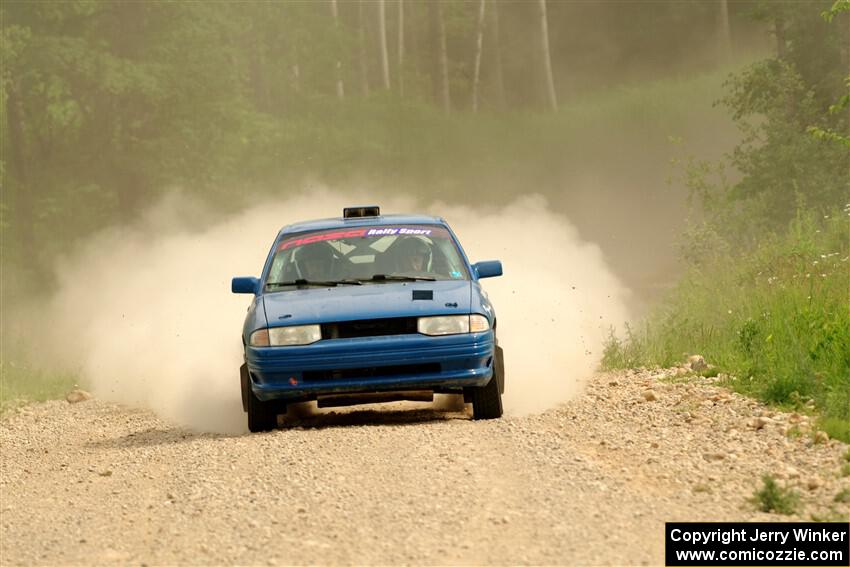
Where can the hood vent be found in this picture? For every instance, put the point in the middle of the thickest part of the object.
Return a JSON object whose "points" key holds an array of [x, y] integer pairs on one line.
{"points": [[423, 294]]}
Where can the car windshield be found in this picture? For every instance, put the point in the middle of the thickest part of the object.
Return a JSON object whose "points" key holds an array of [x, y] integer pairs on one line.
{"points": [[372, 254]]}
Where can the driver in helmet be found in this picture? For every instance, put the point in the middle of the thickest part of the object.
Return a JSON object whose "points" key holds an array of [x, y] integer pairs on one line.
{"points": [[414, 254], [315, 261]]}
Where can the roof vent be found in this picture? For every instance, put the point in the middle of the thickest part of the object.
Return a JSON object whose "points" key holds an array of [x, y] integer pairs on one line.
{"points": [[360, 212]]}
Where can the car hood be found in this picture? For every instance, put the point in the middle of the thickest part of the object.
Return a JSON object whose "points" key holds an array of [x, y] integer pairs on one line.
{"points": [[369, 301]]}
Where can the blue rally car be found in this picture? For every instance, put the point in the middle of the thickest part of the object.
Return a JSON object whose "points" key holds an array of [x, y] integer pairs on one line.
{"points": [[368, 308]]}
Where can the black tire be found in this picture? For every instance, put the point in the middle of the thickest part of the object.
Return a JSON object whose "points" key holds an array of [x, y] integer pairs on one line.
{"points": [[262, 416], [499, 368], [245, 385], [487, 400]]}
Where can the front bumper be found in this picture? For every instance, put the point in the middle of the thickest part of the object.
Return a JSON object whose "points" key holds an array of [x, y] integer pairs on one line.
{"points": [[371, 364]]}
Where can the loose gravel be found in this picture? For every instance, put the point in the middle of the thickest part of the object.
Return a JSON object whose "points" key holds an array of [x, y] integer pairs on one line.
{"points": [[591, 482]]}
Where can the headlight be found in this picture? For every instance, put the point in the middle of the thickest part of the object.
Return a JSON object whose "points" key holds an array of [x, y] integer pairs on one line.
{"points": [[286, 336], [452, 324]]}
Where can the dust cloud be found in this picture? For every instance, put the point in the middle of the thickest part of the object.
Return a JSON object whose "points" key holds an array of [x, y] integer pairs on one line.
{"points": [[554, 304], [145, 312]]}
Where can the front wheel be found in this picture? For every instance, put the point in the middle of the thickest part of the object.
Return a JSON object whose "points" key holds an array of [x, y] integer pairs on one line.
{"points": [[262, 416], [244, 385], [487, 400]]}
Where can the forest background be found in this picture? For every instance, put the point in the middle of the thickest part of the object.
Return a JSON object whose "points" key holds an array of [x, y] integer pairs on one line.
{"points": [[718, 126]]}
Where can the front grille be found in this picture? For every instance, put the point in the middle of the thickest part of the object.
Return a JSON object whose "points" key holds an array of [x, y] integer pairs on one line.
{"points": [[369, 328], [372, 372]]}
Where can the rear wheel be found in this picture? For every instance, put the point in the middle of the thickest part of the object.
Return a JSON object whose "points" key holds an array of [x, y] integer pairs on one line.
{"points": [[262, 416], [487, 400]]}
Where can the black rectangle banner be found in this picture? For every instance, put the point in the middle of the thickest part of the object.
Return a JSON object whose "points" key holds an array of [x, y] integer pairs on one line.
{"points": [[693, 544]]}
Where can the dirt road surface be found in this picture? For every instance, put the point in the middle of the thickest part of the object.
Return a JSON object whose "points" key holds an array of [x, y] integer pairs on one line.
{"points": [[591, 482]]}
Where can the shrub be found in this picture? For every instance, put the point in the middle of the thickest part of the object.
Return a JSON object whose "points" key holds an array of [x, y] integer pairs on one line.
{"points": [[774, 498]]}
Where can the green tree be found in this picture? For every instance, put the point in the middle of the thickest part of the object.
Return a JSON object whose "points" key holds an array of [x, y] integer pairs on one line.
{"points": [[106, 104], [776, 102], [843, 104]]}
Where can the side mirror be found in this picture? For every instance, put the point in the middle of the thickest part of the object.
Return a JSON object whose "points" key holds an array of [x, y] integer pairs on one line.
{"points": [[245, 285], [488, 268]]}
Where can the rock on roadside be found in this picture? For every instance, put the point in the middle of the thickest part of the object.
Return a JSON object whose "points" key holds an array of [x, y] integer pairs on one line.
{"points": [[77, 396]]}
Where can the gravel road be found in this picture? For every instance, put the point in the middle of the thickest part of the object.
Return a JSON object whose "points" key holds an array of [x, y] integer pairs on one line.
{"points": [[591, 482]]}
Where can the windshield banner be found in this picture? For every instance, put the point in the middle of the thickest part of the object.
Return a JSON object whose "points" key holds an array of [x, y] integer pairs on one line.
{"points": [[363, 233]]}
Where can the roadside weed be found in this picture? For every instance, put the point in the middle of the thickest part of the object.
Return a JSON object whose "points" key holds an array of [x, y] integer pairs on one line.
{"points": [[773, 498]]}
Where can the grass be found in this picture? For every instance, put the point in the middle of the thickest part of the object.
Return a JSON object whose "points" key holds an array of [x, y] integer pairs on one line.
{"points": [[773, 498], [774, 318], [831, 515], [794, 432], [21, 383]]}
